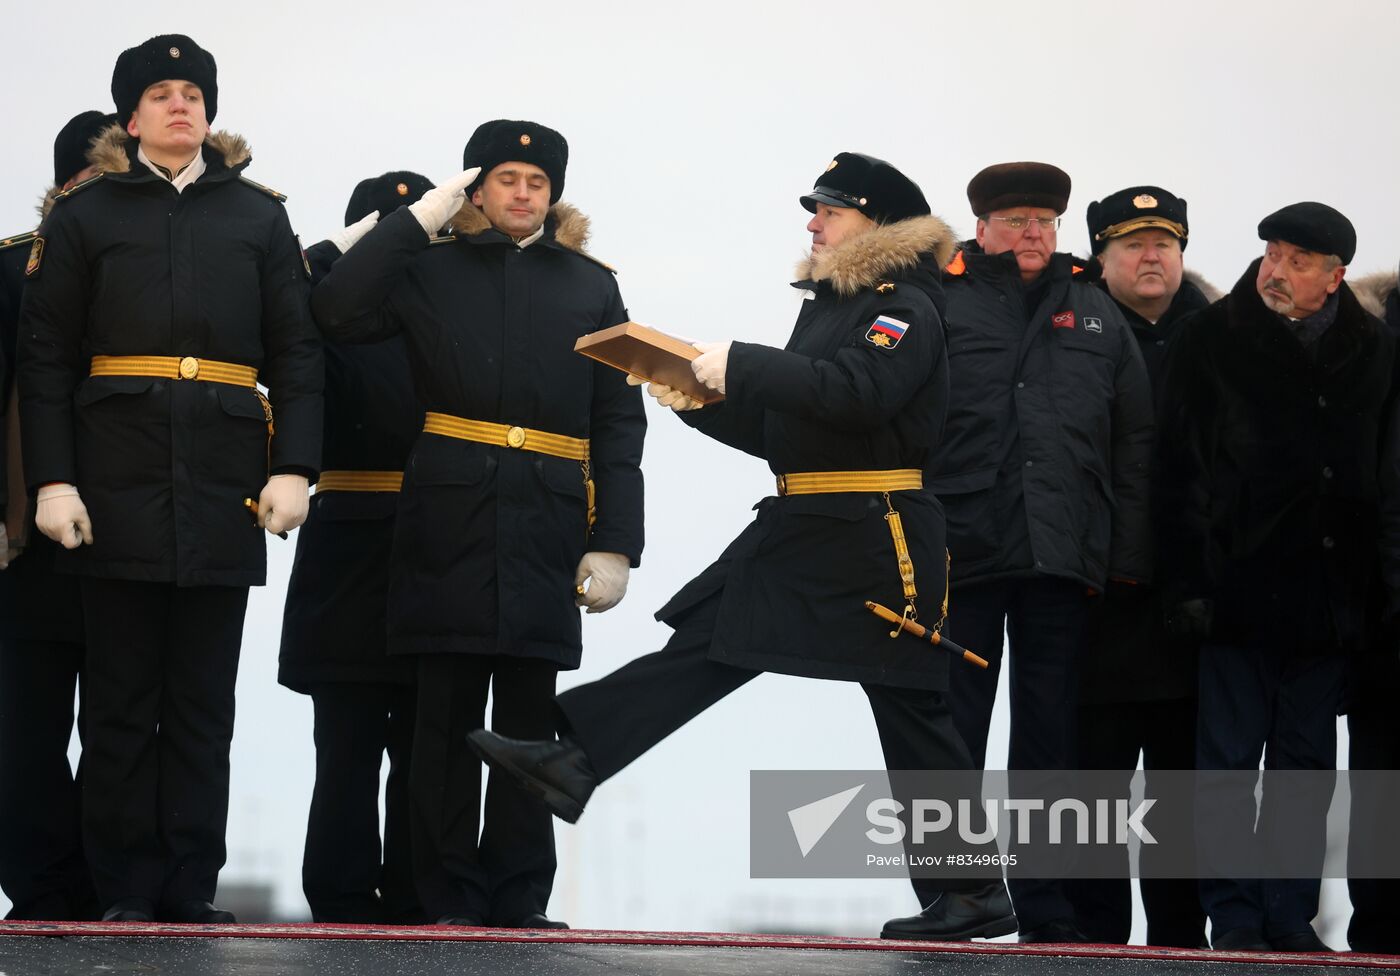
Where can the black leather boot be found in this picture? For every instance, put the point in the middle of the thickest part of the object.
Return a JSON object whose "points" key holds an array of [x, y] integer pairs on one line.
{"points": [[557, 772], [956, 916]]}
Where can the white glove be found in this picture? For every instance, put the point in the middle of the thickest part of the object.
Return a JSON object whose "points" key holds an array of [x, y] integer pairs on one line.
{"points": [[284, 502], [62, 516], [609, 571], [709, 367], [345, 238], [665, 395], [437, 206]]}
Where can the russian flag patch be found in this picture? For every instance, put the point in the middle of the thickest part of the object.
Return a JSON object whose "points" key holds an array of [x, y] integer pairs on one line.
{"points": [[886, 332]]}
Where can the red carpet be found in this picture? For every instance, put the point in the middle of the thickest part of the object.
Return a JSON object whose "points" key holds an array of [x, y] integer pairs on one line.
{"points": [[436, 933]]}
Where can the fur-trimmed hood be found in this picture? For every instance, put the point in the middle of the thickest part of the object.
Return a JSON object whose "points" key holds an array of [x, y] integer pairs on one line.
{"points": [[1212, 293], [863, 261], [110, 155], [571, 227], [1373, 289]]}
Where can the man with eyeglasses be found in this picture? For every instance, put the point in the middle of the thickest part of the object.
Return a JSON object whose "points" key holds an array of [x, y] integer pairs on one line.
{"points": [[1043, 473]]}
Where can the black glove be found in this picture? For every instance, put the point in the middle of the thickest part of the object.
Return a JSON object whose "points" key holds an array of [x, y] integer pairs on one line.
{"points": [[1191, 618]]}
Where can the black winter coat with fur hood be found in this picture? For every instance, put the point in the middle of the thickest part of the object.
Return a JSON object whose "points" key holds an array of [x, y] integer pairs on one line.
{"points": [[134, 268], [839, 397], [1044, 469], [35, 602], [1279, 476], [487, 539], [333, 621]]}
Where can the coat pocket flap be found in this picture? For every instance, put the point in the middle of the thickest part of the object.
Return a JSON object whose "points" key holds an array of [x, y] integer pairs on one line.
{"points": [[454, 464], [240, 401], [848, 506], [96, 388], [963, 482], [562, 476]]}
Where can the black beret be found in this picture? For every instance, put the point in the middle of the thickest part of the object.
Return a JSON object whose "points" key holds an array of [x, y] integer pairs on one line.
{"points": [[73, 142], [504, 141], [1008, 185], [386, 194], [169, 57], [869, 185], [1312, 226], [1133, 209]]}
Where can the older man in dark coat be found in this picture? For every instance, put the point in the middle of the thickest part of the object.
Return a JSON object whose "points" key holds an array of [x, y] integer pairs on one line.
{"points": [[1044, 475], [1278, 478], [845, 416]]}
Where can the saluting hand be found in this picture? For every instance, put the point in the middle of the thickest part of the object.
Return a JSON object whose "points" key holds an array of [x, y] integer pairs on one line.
{"points": [[62, 516], [437, 206], [665, 395], [284, 502], [608, 572], [345, 238], [710, 366]]}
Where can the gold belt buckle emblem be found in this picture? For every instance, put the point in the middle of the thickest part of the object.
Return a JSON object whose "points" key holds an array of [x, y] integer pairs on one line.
{"points": [[189, 368], [515, 437]]}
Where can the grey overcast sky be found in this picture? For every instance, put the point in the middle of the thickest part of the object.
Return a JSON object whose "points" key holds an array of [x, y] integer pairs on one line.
{"points": [[692, 129]]}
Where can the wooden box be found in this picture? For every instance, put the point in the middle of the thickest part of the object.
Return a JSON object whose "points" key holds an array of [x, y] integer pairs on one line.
{"points": [[654, 356]]}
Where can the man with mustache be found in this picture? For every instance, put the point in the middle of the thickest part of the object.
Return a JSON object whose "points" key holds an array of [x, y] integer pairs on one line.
{"points": [[1138, 684], [1278, 481]]}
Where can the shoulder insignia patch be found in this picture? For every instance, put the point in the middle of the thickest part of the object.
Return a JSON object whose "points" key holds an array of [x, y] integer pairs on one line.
{"points": [[444, 239], [886, 331], [602, 264], [305, 264], [1092, 324], [1063, 320], [885, 288], [279, 197], [19, 239], [36, 258], [76, 187]]}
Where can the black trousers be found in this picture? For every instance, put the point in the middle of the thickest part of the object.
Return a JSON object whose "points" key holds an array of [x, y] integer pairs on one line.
{"points": [[345, 874], [42, 868], [504, 871], [1111, 736], [1044, 619], [162, 662], [1375, 902], [618, 718], [1252, 702]]}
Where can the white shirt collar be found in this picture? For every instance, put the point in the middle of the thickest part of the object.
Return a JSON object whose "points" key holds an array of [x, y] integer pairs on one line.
{"points": [[525, 242], [193, 170]]}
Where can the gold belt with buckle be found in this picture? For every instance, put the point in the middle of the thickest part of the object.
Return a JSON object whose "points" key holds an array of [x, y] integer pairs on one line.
{"points": [[517, 438], [832, 482], [360, 481], [184, 368], [504, 435], [175, 368], [899, 479]]}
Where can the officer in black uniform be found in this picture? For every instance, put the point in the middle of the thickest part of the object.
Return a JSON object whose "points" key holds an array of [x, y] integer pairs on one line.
{"points": [[159, 295], [1138, 683], [42, 869], [333, 628], [845, 415], [524, 444]]}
